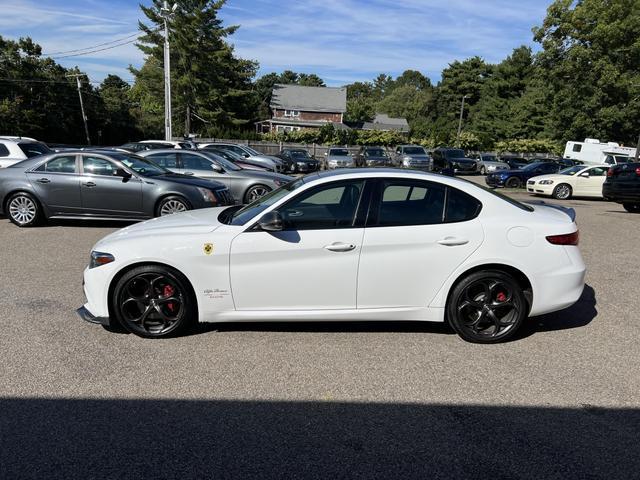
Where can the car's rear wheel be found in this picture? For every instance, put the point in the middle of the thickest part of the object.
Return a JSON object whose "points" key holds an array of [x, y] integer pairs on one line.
{"points": [[154, 302], [562, 192], [170, 205], [487, 307], [24, 210], [632, 207], [513, 182], [256, 192]]}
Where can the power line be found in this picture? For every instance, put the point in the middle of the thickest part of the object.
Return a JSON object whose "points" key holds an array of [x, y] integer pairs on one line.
{"points": [[48, 54], [95, 51]]}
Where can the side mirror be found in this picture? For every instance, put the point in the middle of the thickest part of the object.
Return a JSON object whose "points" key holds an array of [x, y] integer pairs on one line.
{"points": [[271, 222], [216, 168], [245, 155], [121, 172]]}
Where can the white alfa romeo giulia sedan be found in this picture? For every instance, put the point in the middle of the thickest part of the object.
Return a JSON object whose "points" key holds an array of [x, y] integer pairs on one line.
{"points": [[366, 244]]}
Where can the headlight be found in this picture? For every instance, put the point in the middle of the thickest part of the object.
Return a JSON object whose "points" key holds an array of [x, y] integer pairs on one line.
{"points": [[280, 183], [546, 182], [406, 159], [207, 195], [100, 258]]}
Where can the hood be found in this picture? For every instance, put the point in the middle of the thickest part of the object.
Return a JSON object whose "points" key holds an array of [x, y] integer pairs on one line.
{"points": [[305, 160], [203, 220], [187, 180], [262, 175], [461, 160]]}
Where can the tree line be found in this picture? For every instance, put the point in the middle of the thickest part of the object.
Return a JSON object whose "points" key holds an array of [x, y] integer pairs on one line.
{"points": [[581, 81]]}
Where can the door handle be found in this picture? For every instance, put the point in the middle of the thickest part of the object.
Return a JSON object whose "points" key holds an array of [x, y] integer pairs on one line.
{"points": [[89, 184], [453, 241], [340, 247], [43, 180], [294, 213]]}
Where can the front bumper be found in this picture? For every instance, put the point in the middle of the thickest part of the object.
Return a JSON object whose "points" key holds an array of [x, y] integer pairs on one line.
{"points": [[492, 181], [307, 167], [536, 188], [464, 168], [378, 163], [84, 313]]}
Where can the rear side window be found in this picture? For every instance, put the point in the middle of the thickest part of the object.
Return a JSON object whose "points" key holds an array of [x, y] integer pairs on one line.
{"points": [[407, 202], [4, 151], [66, 164], [461, 206], [33, 149]]}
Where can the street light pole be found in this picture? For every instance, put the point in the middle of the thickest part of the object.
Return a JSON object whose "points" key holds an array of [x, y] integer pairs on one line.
{"points": [[84, 117], [165, 12], [460, 120]]}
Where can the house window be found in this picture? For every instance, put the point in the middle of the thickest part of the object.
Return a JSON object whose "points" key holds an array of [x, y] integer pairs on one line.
{"points": [[292, 113], [287, 128], [577, 147]]}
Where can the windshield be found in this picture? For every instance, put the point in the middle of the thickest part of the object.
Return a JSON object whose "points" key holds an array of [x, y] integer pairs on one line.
{"points": [[33, 149], [140, 165], [339, 152], [414, 151], [489, 158], [300, 154], [228, 154], [248, 212], [250, 150], [224, 163], [454, 153], [571, 170], [375, 152]]}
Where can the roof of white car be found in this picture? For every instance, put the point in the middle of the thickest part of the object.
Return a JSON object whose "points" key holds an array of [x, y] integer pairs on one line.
{"points": [[383, 172]]}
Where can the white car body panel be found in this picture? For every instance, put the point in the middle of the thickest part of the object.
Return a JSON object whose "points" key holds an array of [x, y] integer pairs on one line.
{"points": [[581, 185], [290, 276]]}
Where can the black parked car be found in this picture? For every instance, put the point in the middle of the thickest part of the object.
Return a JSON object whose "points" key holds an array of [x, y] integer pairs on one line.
{"points": [[101, 185], [372, 157], [518, 178], [298, 160], [623, 186], [514, 162], [454, 159]]}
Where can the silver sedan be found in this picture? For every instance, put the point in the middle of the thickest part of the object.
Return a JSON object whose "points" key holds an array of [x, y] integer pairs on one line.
{"points": [[245, 185]]}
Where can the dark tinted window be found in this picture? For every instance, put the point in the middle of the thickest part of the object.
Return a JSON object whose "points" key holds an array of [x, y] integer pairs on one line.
{"points": [[461, 206], [166, 160], [97, 166], [65, 164], [332, 205], [576, 147], [408, 202], [4, 151], [194, 162], [414, 151], [34, 149]]}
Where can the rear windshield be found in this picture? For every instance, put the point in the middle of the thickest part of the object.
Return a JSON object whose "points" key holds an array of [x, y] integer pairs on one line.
{"points": [[33, 149]]}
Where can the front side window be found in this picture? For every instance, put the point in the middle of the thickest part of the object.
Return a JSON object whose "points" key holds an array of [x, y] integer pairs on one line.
{"points": [[33, 149], [410, 202], [598, 172], [246, 213], [194, 162], [97, 166], [327, 206], [66, 164]]}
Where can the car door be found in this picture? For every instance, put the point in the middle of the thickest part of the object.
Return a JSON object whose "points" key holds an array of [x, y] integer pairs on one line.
{"points": [[192, 164], [418, 232], [591, 185], [57, 184], [105, 194], [168, 160], [312, 264]]}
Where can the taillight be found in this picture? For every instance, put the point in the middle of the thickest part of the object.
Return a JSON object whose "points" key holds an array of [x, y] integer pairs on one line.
{"points": [[566, 239], [638, 171], [610, 172]]}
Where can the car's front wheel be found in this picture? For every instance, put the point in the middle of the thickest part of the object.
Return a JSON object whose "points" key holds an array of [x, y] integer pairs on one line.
{"points": [[487, 307], [632, 207], [562, 192], [513, 182], [172, 204], [483, 170], [256, 192], [24, 210], [154, 301]]}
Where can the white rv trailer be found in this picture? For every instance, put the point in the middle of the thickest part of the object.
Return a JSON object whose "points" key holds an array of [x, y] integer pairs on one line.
{"points": [[594, 152]]}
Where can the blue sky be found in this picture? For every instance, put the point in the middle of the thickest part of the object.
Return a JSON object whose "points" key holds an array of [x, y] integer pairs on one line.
{"points": [[340, 40]]}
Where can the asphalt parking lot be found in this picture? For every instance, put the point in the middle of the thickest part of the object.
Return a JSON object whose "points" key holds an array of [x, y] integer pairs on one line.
{"points": [[403, 400]]}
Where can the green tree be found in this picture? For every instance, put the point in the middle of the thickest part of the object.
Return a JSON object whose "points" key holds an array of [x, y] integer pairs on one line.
{"points": [[118, 123], [206, 74]]}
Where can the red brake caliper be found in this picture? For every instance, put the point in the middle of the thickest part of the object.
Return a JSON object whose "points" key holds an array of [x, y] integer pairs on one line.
{"points": [[501, 297], [167, 291]]}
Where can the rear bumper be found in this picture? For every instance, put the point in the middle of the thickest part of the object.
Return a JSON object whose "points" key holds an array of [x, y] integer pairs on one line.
{"points": [[621, 193]]}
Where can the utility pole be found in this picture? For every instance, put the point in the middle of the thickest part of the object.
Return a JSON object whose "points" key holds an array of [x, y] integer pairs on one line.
{"points": [[187, 122], [465, 96], [84, 117], [637, 150], [166, 12]]}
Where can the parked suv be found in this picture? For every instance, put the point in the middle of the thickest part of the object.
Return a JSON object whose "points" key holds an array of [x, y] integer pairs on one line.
{"points": [[16, 149], [623, 186], [489, 163], [339, 157], [453, 158], [412, 156], [372, 157]]}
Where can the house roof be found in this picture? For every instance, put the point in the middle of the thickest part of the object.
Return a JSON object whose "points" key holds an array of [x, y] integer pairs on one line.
{"points": [[386, 123], [309, 99]]}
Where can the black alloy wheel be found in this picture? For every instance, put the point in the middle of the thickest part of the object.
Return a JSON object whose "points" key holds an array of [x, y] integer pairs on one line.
{"points": [[24, 210], [562, 192], [487, 307], [632, 207], [154, 302], [513, 182]]}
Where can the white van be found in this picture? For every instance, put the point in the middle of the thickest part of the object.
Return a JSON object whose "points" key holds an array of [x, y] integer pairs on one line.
{"points": [[594, 152]]}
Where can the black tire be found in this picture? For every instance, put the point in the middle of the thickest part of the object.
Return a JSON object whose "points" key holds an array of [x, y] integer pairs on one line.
{"points": [[487, 307], [562, 192], [172, 204], [253, 193], [154, 301], [24, 210], [483, 170], [632, 207], [513, 182]]}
